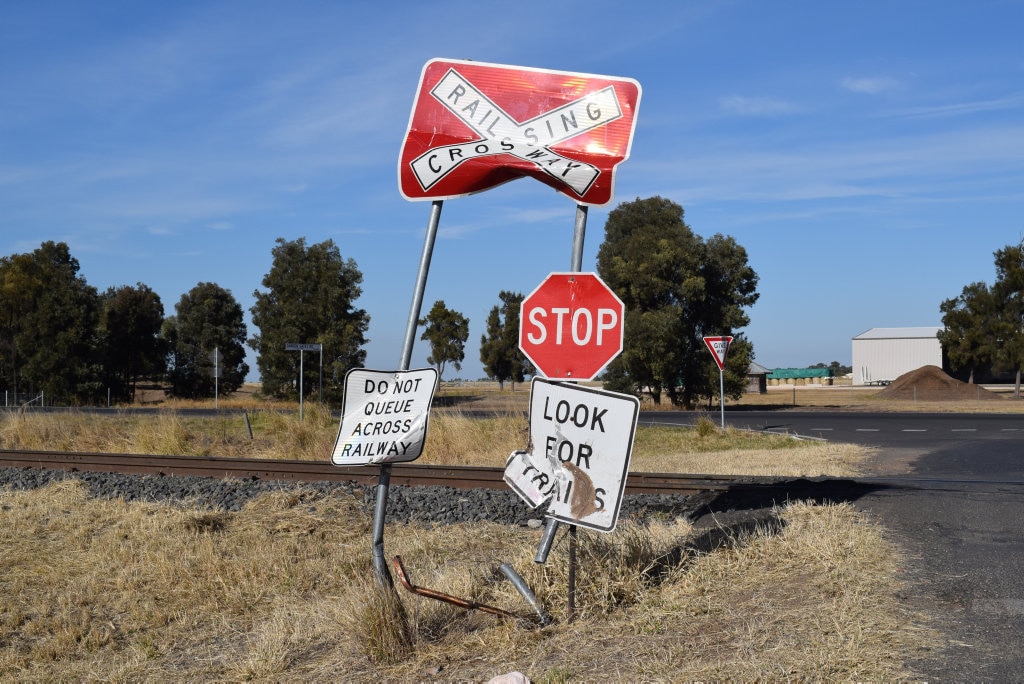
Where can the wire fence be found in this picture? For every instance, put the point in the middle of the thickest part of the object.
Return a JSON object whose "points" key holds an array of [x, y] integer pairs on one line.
{"points": [[23, 399]]}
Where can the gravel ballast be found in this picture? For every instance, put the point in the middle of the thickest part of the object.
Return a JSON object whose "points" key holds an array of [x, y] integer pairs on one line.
{"points": [[423, 505]]}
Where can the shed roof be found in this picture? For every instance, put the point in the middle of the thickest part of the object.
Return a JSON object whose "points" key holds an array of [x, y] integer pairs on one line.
{"points": [[789, 373], [757, 369], [926, 332]]}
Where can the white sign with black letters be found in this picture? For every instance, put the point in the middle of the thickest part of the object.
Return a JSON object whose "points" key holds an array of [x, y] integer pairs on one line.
{"points": [[384, 416], [581, 442]]}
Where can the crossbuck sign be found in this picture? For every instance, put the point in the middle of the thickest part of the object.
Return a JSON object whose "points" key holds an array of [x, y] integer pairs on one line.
{"points": [[476, 125]]}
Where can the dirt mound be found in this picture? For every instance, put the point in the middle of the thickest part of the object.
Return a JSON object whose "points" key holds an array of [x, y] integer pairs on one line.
{"points": [[929, 383]]}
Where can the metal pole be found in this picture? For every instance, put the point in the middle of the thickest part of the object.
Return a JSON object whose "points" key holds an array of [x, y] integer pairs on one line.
{"points": [[301, 372], [579, 232], [380, 563], [421, 285], [320, 391], [721, 395], [572, 573], [575, 265], [523, 588]]}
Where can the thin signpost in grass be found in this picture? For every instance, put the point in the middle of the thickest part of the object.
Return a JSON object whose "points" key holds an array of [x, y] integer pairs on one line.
{"points": [[719, 346], [302, 348]]}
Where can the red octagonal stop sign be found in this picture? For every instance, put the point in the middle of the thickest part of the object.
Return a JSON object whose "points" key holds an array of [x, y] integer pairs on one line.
{"points": [[571, 326]]}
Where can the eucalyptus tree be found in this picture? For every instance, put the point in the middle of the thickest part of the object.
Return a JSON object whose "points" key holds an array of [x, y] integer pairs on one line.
{"points": [[499, 345], [208, 320], [446, 331], [49, 320], [309, 298], [132, 346], [969, 336], [1008, 292], [984, 325], [677, 288]]}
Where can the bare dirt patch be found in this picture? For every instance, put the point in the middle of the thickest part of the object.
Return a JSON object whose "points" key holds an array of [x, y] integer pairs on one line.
{"points": [[930, 383]]}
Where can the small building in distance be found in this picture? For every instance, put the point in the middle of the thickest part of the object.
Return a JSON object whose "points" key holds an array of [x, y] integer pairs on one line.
{"points": [[800, 376], [757, 378], [880, 355]]}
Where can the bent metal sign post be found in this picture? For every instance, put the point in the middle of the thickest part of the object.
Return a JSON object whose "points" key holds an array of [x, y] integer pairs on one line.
{"points": [[475, 125]]}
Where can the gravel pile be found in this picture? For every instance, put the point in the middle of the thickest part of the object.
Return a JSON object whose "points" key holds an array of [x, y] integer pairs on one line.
{"points": [[423, 505]]}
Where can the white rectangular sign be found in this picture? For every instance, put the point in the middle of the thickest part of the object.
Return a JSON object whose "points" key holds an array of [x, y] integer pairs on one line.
{"points": [[581, 442], [384, 416]]}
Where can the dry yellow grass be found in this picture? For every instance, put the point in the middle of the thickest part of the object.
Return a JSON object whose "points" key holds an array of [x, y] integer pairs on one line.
{"points": [[281, 591], [453, 439]]}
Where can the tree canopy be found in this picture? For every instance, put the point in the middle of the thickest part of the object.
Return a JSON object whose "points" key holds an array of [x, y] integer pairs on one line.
{"points": [[49, 318], [677, 288], [984, 325], [131, 321], [208, 319], [309, 298], [499, 345], [968, 336], [446, 331]]}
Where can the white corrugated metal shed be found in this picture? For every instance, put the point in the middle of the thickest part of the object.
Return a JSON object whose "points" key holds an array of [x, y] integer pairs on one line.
{"points": [[880, 355]]}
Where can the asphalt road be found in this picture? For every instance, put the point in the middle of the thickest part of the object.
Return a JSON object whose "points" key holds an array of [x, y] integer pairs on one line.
{"points": [[951, 491], [910, 430]]}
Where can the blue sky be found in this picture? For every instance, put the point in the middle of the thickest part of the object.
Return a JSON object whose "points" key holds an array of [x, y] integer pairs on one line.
{"points": [[869, 156]]}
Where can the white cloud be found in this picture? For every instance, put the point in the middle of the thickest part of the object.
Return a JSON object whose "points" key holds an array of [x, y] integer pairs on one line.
{"points": [[870, 86], [756, 106], [997, 104], [942, 164]]}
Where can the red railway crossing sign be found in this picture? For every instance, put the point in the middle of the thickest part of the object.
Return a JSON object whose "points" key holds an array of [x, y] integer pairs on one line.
{"points": [[571, 326], [476, 125]]}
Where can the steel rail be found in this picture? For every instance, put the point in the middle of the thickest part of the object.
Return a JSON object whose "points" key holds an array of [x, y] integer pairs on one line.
{"points": [[409, 474], [458, 477]]}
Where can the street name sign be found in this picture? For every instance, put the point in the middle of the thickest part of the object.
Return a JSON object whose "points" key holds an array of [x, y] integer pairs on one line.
{"points": [[718, 346], [476, 125], [384, 416], [581, 442], [296, 346], [571, 326]]}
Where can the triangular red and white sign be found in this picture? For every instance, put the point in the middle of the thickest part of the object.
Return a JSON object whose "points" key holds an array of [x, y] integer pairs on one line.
{"points": [[718, 347]]}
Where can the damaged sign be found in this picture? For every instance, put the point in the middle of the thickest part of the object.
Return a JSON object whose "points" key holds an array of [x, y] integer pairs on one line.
{"points": [[581, 440], [384, 416]]}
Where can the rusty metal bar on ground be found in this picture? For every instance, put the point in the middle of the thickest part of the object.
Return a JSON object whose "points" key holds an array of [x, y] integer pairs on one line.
{"points": [[441, 596]]}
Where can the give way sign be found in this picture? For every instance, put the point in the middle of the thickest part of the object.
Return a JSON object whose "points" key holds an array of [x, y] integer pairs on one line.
{"points": [[718, 346], [476, 125]]}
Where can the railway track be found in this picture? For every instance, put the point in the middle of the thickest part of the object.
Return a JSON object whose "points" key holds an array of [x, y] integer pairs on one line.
{"points": [[409, 474]]}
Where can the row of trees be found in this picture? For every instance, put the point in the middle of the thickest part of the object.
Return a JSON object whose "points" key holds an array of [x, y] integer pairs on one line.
{"points": [[983, 328], [58, 335], [61, 338]]}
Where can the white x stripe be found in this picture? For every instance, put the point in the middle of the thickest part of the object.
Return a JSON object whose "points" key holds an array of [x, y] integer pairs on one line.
{"points": [[501, 134]]}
